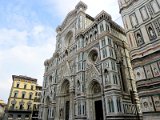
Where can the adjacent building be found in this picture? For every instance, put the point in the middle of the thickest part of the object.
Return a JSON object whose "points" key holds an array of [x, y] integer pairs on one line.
{"points": [[37, 102], [2, 109], [21, 102], [142, 24], [89, 76]]}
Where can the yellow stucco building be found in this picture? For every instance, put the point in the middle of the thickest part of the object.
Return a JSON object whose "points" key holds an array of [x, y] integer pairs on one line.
{"points": [[22, 97]]}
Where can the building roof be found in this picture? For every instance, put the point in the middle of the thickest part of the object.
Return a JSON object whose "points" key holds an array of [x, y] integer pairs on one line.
{"points": [[2, 103], [24, 77], [38, 86]]}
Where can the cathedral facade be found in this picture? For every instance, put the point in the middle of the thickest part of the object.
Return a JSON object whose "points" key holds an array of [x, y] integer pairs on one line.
{"points": [[89, 76], [142, 24]]}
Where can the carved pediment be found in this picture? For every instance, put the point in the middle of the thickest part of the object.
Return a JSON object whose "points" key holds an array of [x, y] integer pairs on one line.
{"points": [[92, 73], [70, 16], [65, 71]]}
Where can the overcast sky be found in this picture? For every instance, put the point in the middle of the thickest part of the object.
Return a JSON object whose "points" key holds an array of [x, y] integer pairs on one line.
{"points": [[27, 34]]}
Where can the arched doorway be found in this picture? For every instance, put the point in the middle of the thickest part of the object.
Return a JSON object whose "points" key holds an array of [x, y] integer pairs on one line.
{"points": [[64, 111], [95, 96]]}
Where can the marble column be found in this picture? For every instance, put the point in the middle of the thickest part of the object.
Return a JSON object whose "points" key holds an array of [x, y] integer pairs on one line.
{"points": [[71, 110], [45, 112]]}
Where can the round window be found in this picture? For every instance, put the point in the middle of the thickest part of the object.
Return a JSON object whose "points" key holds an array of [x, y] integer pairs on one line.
{"points": [[93, 55]]}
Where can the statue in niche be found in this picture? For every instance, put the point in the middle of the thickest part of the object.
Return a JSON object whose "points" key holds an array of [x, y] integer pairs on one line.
{"points": [[138, 74], [106, 76], [150, 30], [96, 88], [61, 113], [145, 104], [157, 103], [139, 39], [78, 86]]}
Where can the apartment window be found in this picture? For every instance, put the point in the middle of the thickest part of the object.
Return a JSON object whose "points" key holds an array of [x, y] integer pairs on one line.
{"points": [[30, 96], [19, 116], [25, 86], [28, 107], [13, 105], [23, 95], [157, 25], [21, 107], [17, 85], [26, 116], [144, 13], [31, 87], [15, 94]]}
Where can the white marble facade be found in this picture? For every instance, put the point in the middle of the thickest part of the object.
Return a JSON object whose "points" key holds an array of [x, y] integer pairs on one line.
{"points": [[89, 76], [142, 24]]}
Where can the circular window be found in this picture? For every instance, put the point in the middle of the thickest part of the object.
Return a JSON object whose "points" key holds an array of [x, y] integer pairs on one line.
{"points": [[93, 55]]}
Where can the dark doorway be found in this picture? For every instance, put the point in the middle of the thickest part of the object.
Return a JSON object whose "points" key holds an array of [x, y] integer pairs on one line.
{"points": [[98, 110], [67, 111]]}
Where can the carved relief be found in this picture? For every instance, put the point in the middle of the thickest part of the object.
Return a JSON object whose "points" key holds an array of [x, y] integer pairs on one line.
{"points": [[157, 102], [144, 13], [139, 38], [133, 19], [148, 71], [151, 32], [147, 104], [139, 73], [155, 69], [92, 73]]}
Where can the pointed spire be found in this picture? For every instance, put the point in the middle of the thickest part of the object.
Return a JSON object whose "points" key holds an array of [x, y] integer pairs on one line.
{"points": [[81, 5]]}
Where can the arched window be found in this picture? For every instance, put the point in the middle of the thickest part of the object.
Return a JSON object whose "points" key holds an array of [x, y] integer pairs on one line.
{"points": [[69, 39], [21, 107], [119, 105], [50, 79], [101, 27], [110, 105], [78, 86], [115, 80]]}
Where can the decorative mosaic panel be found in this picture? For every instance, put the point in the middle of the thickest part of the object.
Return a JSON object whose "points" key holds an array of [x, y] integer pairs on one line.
{"points": [[148, 71], [155, 69]]}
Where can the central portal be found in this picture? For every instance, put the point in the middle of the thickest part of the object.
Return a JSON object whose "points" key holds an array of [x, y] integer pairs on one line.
{"points": [[98, 110], [67, 111]]}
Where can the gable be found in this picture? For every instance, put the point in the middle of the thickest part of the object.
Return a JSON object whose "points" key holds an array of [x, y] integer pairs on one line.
{"points": [[70, 16]]}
